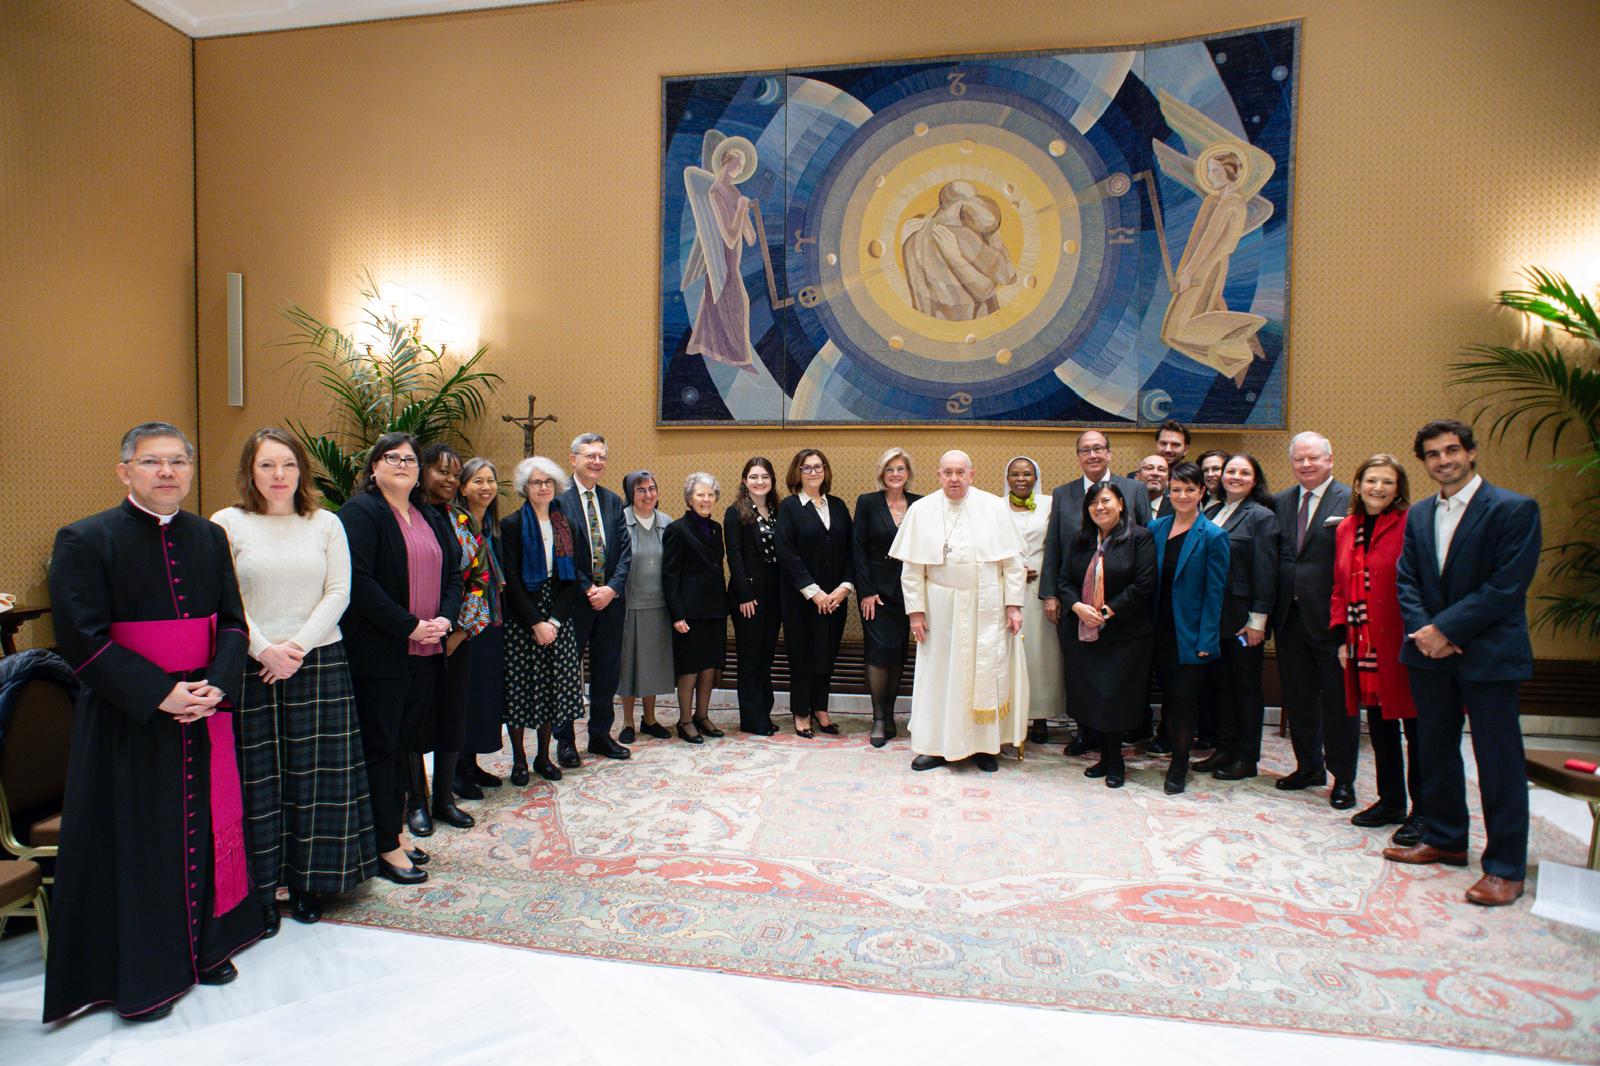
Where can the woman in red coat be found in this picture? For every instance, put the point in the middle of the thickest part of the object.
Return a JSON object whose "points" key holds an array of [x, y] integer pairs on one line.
{"points": [[1366, 610]]}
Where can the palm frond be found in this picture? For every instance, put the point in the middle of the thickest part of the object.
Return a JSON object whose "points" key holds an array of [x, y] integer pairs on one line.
{"points": [[1531, 384], [1554, 299]]}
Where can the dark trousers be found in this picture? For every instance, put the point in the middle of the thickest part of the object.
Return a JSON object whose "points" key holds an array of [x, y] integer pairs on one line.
{"points": [[601, 633], [755, 646], [1444, 701], [391, 710], [1325, 737], [1180, 695], [1397, 771], [1235, 681]]}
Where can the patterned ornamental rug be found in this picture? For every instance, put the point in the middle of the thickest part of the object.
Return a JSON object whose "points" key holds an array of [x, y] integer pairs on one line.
{"points": [[831, 861]]}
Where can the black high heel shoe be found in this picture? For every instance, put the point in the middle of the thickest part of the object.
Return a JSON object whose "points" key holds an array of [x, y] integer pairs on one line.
{"points": [[831, 728], [807, 732], [692, 738], [707, 727]]}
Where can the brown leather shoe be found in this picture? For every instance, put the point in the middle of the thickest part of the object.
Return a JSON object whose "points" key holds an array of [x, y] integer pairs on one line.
{"points": [[1422, 854], [1492, 891]]}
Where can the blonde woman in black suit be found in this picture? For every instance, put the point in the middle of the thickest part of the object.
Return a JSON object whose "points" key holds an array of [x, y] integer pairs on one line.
{"points": [[883, 615], [814, 552]]}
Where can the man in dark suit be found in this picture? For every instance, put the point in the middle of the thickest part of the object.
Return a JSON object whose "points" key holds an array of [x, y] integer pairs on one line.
{"points": [[1324, 736], [1066, 518], [1470, 554], [602, 553]]}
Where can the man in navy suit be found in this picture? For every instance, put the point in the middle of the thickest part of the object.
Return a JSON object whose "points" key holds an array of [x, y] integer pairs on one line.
{"points": [[602, 553], [1325, 737], [1470, 554], [1066, 518]]}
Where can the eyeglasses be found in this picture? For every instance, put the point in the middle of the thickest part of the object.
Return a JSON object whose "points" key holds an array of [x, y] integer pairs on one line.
{"points": [[1093, 449], [403, 461], [541, 483], [812, 468], [152, 463]]}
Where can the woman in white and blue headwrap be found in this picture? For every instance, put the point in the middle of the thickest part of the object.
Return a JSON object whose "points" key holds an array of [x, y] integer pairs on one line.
{"points": [[1030, 513]]}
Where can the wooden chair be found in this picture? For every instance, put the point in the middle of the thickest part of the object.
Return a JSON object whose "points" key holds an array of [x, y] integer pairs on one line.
{"points": [[33, 771], [1547, 770], [22, 892]]}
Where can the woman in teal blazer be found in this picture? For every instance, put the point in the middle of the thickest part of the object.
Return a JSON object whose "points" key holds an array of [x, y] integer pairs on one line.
{"points": [[1192, 569]]}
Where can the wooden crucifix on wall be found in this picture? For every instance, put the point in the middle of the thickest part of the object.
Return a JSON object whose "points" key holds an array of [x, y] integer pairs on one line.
{"points": [[530, 425]]}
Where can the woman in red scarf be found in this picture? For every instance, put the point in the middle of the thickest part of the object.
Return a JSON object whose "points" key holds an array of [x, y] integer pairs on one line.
{"points": [[1366, 610]]}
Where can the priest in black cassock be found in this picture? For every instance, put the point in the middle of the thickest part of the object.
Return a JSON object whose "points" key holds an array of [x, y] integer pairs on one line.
{"points": [[151, 890]]}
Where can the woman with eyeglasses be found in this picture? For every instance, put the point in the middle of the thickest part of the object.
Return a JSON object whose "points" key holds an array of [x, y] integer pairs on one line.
{"points": [[544, 683], [814, 550], [404, 596], [304, 776], [647, 629], [750, 533], [1030, 514], [478, 517], [884, 625]]}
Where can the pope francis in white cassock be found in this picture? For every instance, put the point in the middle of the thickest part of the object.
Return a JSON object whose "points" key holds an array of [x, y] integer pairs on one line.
{"points": [[964, 579]]}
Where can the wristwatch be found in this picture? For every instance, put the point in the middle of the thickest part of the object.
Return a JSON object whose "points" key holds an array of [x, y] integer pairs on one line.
{"points": [[1105, 613]]}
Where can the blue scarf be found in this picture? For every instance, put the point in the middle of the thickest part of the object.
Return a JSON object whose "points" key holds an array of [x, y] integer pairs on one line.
{"points": [[534, 572]]}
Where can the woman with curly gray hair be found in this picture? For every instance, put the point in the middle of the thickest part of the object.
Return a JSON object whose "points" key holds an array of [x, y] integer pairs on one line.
{"points": [[697, 601]]}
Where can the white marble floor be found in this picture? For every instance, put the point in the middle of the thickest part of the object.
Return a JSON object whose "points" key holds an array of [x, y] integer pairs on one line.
{"points": [[327, 993]]}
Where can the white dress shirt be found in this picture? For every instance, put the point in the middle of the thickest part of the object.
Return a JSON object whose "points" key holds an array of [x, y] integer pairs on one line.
{"points": [[1447, 516]]}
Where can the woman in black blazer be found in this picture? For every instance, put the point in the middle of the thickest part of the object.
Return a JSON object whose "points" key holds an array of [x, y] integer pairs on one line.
{"points": [[697, 602], [394, 640], [1107, 637], [750, 532], [1246, 515], [814, 549], [883, 613]]}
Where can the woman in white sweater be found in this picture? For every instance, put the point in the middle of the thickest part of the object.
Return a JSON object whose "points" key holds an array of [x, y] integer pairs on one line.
{"points": [[305, 777]]}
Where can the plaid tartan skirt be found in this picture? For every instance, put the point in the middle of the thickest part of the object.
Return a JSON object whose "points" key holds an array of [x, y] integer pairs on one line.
{"points": [[305, 779]]}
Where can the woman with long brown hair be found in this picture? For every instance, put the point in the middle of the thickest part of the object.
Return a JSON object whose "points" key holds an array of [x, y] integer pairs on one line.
{"points": [[750, 534], [814, 550]]}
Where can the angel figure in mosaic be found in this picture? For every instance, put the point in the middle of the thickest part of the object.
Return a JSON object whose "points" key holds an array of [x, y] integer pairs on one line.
{"points": [[722, 227], [1228, 173]]}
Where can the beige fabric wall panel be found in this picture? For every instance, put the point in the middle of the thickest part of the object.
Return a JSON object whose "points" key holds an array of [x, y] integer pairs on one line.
{"points": [[97, 264], [505, 162]]}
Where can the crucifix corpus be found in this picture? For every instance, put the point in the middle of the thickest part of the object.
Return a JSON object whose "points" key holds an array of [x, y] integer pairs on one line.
{"points": [[530, 425]]}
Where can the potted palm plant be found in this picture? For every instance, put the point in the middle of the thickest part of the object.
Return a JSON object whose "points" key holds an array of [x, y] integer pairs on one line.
{"points": [[381, 378], [1551, 390]]}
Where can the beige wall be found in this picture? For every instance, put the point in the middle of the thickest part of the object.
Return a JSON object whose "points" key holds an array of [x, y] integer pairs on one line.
{"points": [[97, 260], [506, 161]]}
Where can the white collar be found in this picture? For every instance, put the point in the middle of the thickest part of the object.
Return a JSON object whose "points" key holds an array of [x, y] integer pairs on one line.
{"points": [[1087, 484], [164, 519], [1317, 492], [639, 519], [820, 503], [1463, 495]]}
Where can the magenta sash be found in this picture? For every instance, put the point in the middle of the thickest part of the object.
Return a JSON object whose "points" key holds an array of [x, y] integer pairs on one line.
{"points": [[179, 646]]}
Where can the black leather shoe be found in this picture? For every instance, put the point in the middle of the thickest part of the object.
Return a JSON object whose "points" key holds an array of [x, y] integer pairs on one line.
{"points": [[1343, 797], [879, 735], [762, 731], [466, 788], [1204, 744], [692, 738], [1215, 761], [708, 728], [1097, 770], [220, 974], [609, 748], [567, 755], [927, 762], [1038, 731], [1235, 770], [1115, 780], [419, 822], [305, 907], [1177, 780], [655, 729], [519, 774], [986, 762], [1156, 746], [401, 876], [546, 769], [154, 1014], [1378, 814], [272, 920], [1409, 835], [417, 856], [1300, 779], [627, 735], [483, 778], [450, 814], [1080, 745]]}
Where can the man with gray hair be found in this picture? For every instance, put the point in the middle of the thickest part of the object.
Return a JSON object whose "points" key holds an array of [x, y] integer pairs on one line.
{"points": [[603, 553], [1324, 736], [152, 888], [963, 582]]}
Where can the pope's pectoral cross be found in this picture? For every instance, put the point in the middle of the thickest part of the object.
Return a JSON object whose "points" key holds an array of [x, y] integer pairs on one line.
{"points": [[530, 425]]}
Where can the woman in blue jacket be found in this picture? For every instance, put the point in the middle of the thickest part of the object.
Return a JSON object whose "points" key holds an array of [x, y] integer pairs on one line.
{"points": [[1192, 575]]}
